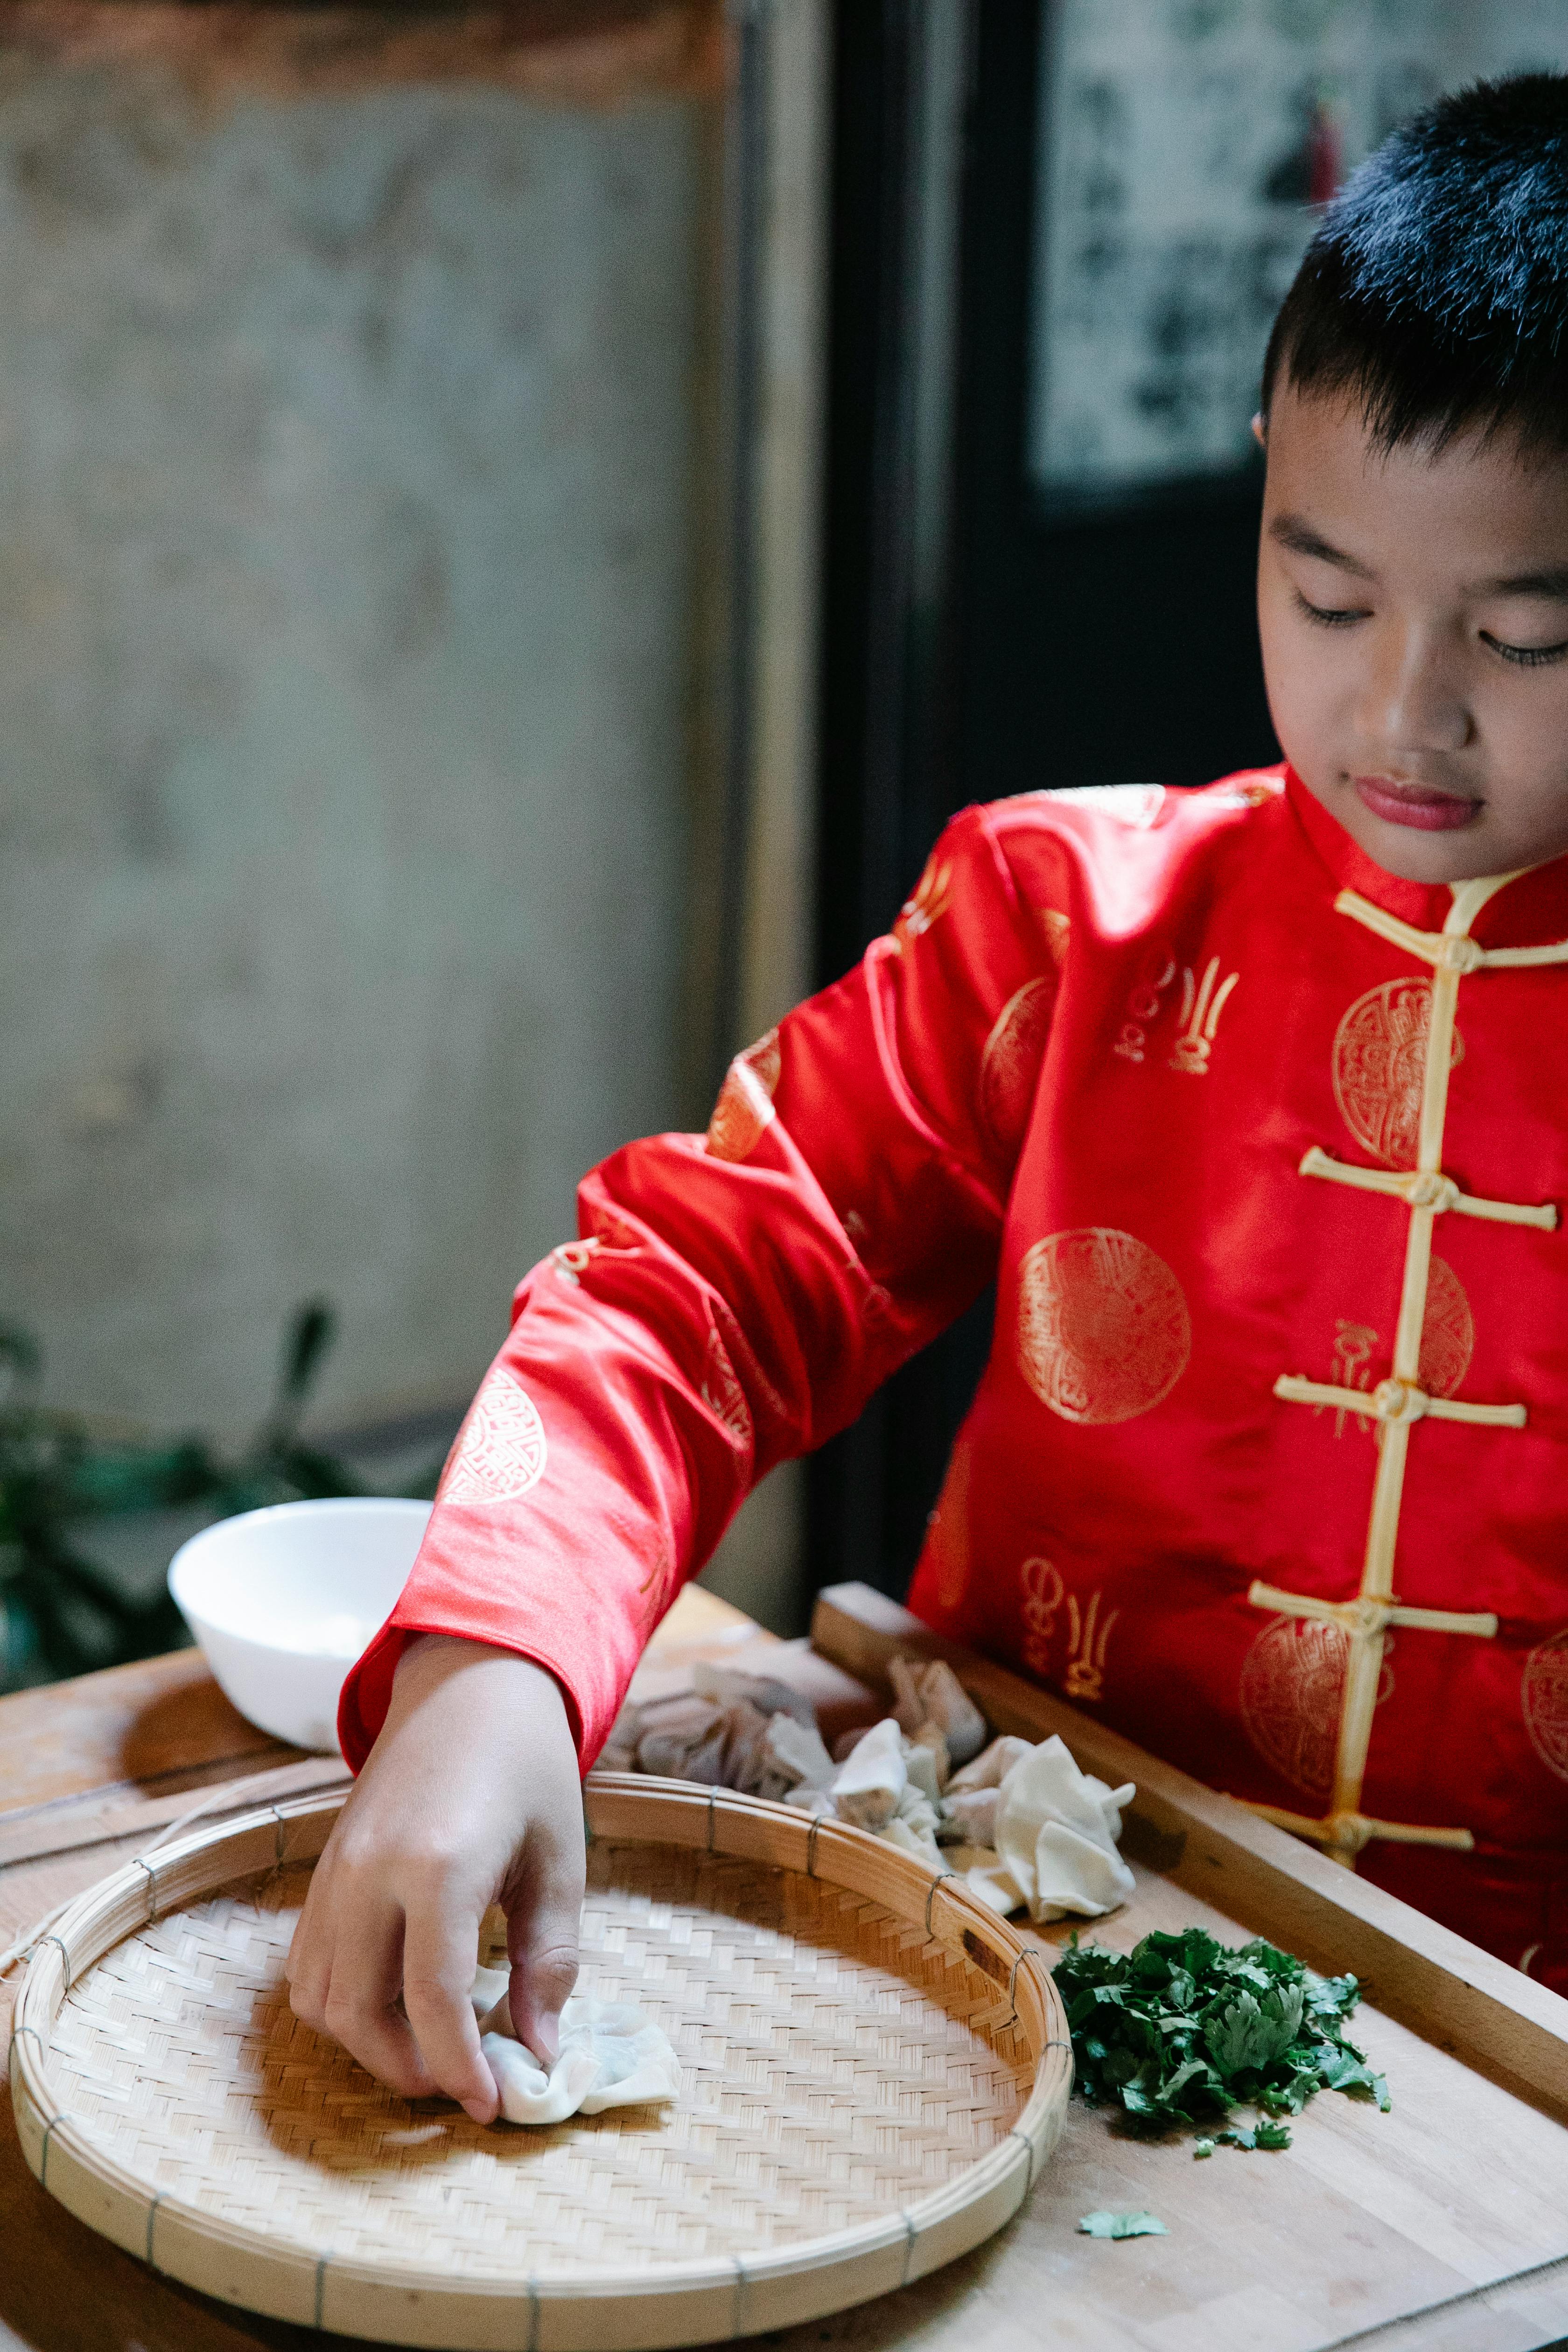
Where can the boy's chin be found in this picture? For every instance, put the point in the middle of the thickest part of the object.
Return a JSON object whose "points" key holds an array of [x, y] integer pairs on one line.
{"points": [[1411, 853], [1422, 858]]}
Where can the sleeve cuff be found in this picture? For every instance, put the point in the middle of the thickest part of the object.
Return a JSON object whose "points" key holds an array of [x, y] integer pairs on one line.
{"points": [[367, 1691]]}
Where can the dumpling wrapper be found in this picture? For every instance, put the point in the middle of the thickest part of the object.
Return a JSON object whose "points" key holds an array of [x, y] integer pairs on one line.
{"points": [[973, 1813], [949, 1705], [990, 1770], [799, 1752], [1055, 1839], [913, 1829], [990, 1879], [867, 1785], [611, 2055], [931, 1696], [924, 1768]]}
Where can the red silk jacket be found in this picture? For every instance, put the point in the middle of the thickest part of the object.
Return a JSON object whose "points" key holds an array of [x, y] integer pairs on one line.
{"points": [[1269, 1463]]}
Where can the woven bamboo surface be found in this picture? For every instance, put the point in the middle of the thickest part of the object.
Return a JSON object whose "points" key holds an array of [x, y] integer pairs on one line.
{"points": [[871, 2077]]}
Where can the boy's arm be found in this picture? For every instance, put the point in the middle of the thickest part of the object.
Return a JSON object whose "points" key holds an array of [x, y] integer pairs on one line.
{"points": [[733, 1299]]}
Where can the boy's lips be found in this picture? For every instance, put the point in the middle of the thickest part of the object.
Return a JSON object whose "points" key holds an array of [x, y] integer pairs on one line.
{"points": [[1421, 805]]}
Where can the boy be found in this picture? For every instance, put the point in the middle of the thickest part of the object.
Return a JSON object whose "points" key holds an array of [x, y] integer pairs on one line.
{"points": [[1252, 1100]]}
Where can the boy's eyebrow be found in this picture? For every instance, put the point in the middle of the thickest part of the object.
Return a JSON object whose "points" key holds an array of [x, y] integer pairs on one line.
{"points": [[1294, 531], [1550, 582]]}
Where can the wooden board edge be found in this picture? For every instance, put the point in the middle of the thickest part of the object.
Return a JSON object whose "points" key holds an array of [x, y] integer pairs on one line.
{"points": [[71, 1826], [1454, 1994]]}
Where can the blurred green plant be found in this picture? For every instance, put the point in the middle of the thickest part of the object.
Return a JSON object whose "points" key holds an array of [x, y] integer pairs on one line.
{"points": [[60, 1609]]}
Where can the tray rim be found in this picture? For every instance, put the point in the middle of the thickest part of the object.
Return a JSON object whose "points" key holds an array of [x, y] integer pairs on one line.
{"points": [[700, 2301]]}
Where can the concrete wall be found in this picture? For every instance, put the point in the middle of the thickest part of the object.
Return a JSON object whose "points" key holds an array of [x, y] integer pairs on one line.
{"points": [[345, 447]]}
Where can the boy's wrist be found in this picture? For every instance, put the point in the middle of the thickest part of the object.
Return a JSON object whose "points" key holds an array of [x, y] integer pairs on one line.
{"points": [[431, 1658]]}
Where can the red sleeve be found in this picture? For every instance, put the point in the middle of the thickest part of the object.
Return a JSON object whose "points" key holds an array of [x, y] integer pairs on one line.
{"points": [[735, 1297]]}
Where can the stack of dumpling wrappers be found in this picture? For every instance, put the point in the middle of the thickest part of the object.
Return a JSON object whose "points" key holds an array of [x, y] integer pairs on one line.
{"points": [[1021, 1823]]}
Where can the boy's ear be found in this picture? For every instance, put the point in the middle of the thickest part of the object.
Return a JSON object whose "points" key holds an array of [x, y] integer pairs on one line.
{"points": [[1261, 431]]}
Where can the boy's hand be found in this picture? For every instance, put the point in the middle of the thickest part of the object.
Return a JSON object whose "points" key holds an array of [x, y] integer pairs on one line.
{"points": [[471, 1796]]}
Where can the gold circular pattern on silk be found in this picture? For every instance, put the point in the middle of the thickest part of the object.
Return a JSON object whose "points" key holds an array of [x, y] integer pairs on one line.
{"points": [[746, 1100], [1010, 1063], [1543, 1693], [721, 1391], [1379, 1064], [1292, 1688], [1292, 1691], [1103, 1328], [1057, 929], [501, 1451], [1447, 1333]]}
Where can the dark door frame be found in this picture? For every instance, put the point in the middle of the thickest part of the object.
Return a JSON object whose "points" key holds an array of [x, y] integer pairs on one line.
{"points": [[974, 645]]}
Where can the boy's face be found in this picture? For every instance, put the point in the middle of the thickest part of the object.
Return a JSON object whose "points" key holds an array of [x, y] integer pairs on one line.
{"points": [[1414, 611]]}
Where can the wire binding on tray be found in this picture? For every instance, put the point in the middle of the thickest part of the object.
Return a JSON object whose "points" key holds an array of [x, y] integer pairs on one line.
{"points": [[44, 2151], [532, 2313], [910, 2236], [322, 2261], [931, 1891], [1029, 2152], [16, 2033], [741, 2283], [141, 1863], [152, 2217], [65, 1959], [1026, 1954], [811, 1845]]}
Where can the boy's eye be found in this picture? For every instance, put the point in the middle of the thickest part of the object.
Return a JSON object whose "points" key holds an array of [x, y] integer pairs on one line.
{"points": [[1524, 657], [1329, 617]]}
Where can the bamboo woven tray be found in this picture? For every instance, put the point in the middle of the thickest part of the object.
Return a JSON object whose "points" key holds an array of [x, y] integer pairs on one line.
{"points": [[875, 2069]]}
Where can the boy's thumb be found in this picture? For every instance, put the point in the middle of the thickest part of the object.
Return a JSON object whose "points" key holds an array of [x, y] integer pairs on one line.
{"points": [[542, 1945]]}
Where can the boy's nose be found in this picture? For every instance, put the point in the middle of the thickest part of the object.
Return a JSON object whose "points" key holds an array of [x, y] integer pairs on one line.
{"points": [[1415, 703]]}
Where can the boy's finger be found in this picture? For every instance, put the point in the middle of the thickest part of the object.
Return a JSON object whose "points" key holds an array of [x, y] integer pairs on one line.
{"points": [[543, 1924], [380, 2040], [440, 1958], [358, 2007], [307, 1968]]}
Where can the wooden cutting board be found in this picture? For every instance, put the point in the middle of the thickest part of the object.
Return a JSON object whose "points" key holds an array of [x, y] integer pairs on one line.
{"points": [[1440, 2228]]}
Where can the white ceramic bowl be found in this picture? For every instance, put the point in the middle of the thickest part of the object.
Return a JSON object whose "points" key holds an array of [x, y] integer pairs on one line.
{"points": [[283, 1600]]}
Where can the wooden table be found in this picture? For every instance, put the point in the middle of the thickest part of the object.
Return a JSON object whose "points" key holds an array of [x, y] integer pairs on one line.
{"points": [[1442, 2225]]}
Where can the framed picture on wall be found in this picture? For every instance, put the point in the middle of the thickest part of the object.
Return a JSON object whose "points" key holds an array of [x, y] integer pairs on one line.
{"points": [[1186, 147]]}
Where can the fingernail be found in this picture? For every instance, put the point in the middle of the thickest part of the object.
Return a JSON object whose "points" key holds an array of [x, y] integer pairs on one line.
{"points": [[548, 2031], [480, 2114]]}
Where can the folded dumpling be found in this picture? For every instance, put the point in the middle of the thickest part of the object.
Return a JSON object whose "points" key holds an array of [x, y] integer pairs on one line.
{"points": [[611, 2055]]}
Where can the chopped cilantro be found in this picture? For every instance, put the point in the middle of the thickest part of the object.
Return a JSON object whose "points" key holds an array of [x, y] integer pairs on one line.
{"points": [[1123, 2225], [1184, 2028], [1203, 2147], [1257, 2136]]}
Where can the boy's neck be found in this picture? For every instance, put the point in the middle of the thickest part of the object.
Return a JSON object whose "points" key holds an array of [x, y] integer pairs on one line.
{"points": [[1424, 904], [1543, 906]]}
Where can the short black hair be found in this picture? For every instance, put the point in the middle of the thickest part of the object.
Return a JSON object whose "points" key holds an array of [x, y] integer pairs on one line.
{"points": [[1435, 291]]}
